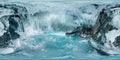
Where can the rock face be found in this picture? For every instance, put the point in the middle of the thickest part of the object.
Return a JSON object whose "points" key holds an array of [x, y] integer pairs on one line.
{"points": [[100, 27], [12, 17]]}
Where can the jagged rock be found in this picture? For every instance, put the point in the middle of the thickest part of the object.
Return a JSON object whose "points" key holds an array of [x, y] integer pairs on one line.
{"points": [[15, 19], [82, 31], [98, 30]]}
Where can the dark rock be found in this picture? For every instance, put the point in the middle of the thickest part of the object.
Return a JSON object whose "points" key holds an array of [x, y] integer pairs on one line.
{"points": [[98, 31], [84, 30], [101, 52], [117, 41], [15, 21]]}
